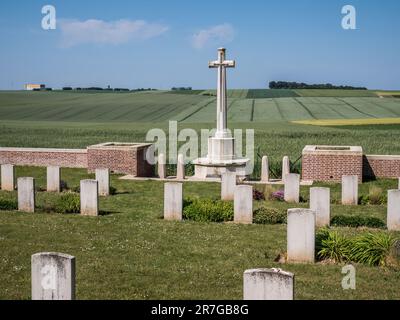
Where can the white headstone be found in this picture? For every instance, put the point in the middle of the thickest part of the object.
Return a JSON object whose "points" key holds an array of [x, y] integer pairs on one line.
{"points": [[173, 194], [53, 179], [264, 169], [103, 178], [300, 235], [393, 210], [7, 177], [26, 194], [320, 203], [162, 167], [180, 170], [285, 167], [89, 197], [243, 204], [350, 190], [53, 276], [228, 185], [268, 284], [292, 188], [399, 184]]}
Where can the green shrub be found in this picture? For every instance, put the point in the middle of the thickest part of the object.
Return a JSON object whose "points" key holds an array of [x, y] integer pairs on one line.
{"points": [[113, 190], [265, 215], [330, 245], [68, 203], [372, 248], [357, 221], [8, 204], [207, 210], [375, 196]]}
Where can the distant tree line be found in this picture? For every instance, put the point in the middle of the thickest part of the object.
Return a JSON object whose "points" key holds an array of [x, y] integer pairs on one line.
{"points": [[107, 89], [302, 85], [181, 88]]}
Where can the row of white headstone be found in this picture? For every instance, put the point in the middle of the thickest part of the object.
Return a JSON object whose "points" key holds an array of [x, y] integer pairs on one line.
{"points": [[242, 195], [53, 277], [90, 190]]}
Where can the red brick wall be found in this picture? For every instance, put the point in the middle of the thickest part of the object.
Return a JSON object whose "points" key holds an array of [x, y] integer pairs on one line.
{"points": [[323, 167], [125, 160], [381, 166], [67, 158]]}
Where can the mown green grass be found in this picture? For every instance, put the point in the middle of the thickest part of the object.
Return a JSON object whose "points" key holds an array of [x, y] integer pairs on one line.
{"points": [[130, 253]]}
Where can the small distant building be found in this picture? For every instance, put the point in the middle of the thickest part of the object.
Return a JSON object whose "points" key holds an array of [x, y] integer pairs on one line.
{"points": [[32, 86]]}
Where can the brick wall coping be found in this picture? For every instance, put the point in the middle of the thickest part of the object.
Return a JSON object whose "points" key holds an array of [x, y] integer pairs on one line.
{"points": [[382, 157], [52, 150], [332, 150], [119, 145]]}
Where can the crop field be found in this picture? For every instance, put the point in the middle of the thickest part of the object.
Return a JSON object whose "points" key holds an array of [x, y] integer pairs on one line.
{"points": [[162, 106]]}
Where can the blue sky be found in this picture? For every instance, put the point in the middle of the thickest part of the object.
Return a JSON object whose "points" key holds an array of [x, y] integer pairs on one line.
{"points": [[161, 44]]}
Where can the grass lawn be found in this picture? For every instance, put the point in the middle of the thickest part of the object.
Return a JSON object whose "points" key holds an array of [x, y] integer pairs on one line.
{"points": [[131, 253]]}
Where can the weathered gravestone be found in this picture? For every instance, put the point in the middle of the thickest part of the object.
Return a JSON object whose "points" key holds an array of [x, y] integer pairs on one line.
{"points": [[162, 167], [89, 197], [320, 203], [350, 190], [103, 179], [26, 194], [393, 210], [53, 179], [7, 177], [228, 185], [268, 284], [243, 204], [173, 194], [180, 170], [264, 169], [285, 167], [53, 276], [292, 188], [300, 235]]}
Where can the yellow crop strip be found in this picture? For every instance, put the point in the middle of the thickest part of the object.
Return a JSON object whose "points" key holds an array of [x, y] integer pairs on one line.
{"points": [[349, 122]]}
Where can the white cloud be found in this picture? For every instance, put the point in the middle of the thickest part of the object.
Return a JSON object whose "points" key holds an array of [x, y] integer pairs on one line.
{"points": [[219, 34], [75, 32]]}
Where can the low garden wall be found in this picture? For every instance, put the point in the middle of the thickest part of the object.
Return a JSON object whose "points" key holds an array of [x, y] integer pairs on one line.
{"points": [[123, 158]]}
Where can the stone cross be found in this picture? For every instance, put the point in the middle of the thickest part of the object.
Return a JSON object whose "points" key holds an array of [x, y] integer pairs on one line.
{"points": [[221, 64]]}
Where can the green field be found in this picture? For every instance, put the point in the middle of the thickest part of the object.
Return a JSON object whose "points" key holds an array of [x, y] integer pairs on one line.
{"points": [[162, 106], [130, 253]]}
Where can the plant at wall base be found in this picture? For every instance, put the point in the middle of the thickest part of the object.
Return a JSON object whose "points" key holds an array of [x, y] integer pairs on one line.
{"points": [[332, 246], [356, 221], [68, 202], [207, 210], [8, 204], [265, 215], [278, 195], [372, 248], [63, 185], [258, 195], [113, 190]]}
